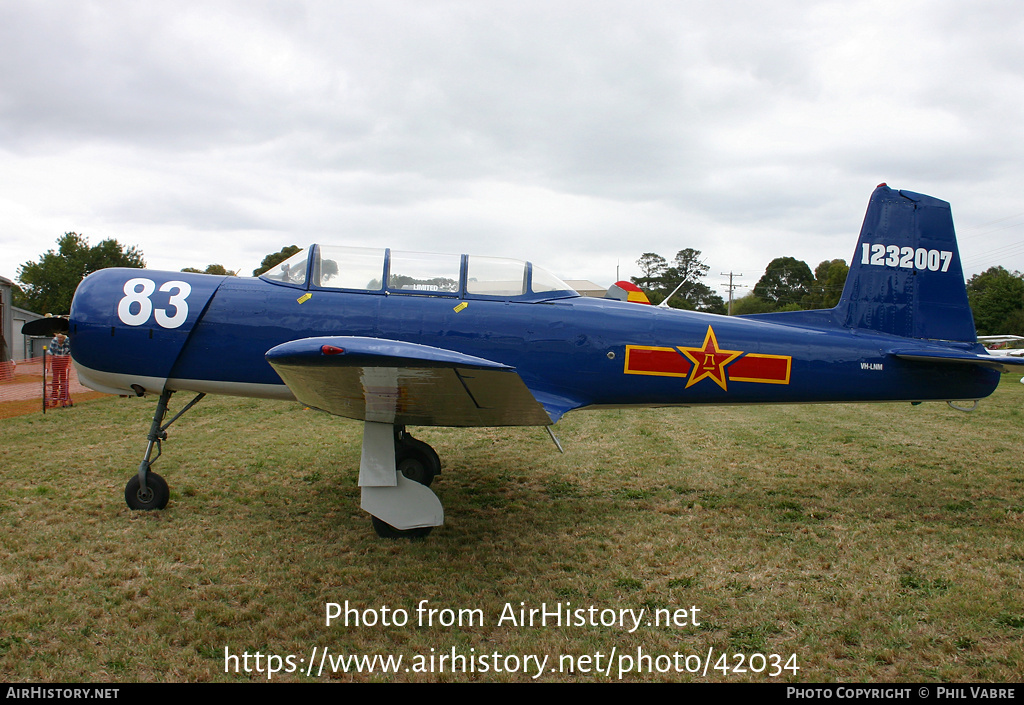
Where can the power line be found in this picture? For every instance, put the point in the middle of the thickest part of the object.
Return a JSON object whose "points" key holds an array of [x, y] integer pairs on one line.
{"points": [[983, 258]]}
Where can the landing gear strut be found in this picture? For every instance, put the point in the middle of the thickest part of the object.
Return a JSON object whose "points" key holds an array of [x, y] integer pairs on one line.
{"points": [[147, 490]]}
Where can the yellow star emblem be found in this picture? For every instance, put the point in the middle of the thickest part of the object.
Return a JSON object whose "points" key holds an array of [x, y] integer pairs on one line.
{"points": [[709, 361]]}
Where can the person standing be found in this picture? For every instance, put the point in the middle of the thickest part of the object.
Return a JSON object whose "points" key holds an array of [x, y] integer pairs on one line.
{"points": [[60, 349], [60, 345]]}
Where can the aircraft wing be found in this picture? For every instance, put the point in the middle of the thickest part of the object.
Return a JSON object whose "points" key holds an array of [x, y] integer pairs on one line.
{"points": [[996, 362], [390, 381]]}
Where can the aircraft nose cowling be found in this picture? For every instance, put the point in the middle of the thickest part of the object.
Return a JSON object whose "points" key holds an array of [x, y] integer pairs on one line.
{"points": [[128, 326]]}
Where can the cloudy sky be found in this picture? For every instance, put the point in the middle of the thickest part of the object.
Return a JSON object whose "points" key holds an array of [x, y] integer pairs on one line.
{"points": [[575, 134]]}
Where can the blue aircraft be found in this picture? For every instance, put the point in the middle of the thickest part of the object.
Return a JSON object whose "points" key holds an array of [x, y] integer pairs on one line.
{"points": [[399, 339]]}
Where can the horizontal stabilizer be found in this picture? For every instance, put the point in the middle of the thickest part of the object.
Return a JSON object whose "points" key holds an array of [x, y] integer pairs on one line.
{"points": [[391, 381], [1003, 364]]}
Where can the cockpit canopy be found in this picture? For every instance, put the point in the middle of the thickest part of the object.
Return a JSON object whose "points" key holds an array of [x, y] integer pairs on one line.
{"points": [[381, 270]]}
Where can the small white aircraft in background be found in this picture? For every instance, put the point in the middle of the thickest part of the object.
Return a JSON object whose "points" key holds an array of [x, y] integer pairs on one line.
{"points": [[996, 345]]}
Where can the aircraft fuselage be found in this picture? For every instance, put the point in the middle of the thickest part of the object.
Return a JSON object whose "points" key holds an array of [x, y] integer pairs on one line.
{"points": [[594, 352]]}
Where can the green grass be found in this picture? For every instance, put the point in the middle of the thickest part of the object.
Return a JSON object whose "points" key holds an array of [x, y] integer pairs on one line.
{"points": [[874, 542]]}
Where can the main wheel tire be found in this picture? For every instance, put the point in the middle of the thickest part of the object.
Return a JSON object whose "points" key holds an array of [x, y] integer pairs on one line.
{"points": [[386, 531], [417, 461], [154, 497]]}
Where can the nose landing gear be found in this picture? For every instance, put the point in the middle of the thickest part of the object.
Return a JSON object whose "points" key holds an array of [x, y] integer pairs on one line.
{"points": [[147, 490]]}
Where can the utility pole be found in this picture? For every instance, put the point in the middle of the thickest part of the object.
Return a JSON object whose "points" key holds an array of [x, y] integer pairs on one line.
{"points": [[731, 286]]}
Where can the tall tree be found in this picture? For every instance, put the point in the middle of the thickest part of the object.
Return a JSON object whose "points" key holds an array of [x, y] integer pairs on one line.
{"points": [[785, 283], [827, 287], [652, 266], [660, 279], [275, 258], [748, 303], [1015, 323], [48, 285], [996, 296], [686, 272]]}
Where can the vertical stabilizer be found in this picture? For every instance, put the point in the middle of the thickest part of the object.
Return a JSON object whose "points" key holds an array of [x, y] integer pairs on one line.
{"points": [[905, 277]]}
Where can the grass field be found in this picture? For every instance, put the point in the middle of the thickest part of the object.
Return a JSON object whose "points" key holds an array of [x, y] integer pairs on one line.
{"points": [[858, 543]]}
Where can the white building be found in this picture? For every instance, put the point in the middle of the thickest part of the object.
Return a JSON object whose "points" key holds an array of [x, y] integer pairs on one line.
{"points": [[13, 345]]}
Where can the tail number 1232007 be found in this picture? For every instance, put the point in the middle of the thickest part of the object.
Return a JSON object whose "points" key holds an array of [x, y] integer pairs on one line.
{"points": [[906, 257]]}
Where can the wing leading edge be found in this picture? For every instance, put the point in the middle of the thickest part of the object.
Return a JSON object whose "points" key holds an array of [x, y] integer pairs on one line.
{"points": [[390, 381]]}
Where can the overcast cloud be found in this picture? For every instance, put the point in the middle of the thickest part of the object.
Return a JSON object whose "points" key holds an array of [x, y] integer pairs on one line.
{"points": [[576, 134]]}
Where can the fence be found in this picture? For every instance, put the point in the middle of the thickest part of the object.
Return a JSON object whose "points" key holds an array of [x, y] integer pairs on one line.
{"points": [[23, 380]]}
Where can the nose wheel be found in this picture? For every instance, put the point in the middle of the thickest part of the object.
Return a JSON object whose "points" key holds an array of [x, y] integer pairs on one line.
{"points": [[153, 496]]}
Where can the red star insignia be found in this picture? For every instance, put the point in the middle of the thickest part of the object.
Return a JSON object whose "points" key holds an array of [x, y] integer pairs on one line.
{"points": [[709, 361]]}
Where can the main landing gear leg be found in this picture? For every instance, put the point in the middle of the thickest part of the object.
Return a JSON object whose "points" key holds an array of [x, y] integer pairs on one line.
{"points": [[147, 490], [394, 473]]}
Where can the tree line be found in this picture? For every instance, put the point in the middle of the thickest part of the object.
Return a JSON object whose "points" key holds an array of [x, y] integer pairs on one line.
{"points": [[996, 296], [787, 285], [48, 284]]}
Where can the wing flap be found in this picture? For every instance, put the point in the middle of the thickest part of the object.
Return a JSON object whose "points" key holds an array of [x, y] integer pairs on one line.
{"points": [[389, 381]]}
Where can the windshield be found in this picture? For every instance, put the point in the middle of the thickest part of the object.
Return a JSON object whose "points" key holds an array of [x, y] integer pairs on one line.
{"points": [[291, 271], [544, 281]]}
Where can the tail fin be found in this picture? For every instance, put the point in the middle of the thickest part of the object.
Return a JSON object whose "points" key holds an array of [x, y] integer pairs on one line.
{"points": [[905, 278]]}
